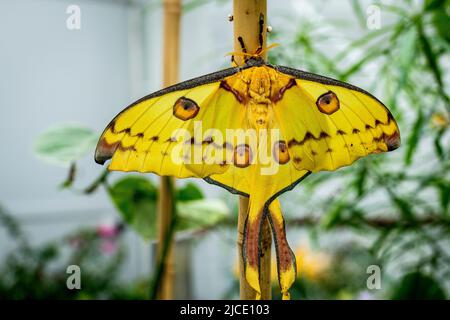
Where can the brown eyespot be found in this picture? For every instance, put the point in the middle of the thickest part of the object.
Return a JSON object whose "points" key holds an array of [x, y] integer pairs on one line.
{"points": [[328, 103], [185, 109], [280, 152], [242, 156]]}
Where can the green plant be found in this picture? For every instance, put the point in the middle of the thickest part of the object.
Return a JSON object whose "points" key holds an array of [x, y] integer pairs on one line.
{"points": [[399, 202], [30, 271]]}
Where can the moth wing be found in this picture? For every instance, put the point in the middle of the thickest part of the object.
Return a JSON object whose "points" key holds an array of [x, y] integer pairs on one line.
{"points": [[173, 131], [329, 124]]}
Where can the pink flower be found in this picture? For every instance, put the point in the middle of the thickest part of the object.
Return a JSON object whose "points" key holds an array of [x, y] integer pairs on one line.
{"points": [[107, 230]]}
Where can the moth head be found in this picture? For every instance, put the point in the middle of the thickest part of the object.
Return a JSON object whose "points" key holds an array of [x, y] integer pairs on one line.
{"points": [[255, 59]]}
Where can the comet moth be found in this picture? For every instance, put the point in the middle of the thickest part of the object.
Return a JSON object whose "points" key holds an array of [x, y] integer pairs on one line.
{"points": [[256, 130]]}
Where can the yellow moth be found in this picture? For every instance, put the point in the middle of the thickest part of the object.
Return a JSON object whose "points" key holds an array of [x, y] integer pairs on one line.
{"points": [[255, 130]]}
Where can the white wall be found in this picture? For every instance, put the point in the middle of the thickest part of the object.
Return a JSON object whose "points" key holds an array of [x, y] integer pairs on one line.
{"points": [[51, 75]]}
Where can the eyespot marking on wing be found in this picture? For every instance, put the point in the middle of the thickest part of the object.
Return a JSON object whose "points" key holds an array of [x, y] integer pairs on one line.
{"points": [[280, 152], [242, 156], [328, 103], [185, 108]]}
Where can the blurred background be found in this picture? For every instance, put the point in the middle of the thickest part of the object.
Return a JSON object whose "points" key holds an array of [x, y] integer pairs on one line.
{"points": [[62, 79]]}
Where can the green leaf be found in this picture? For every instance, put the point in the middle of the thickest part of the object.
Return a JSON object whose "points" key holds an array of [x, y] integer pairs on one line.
{"points": [[366, 58], [414, 137], [430, 55], [190, 191], [444, 195], [362, 41], [47, 253], [437, 144], [418, 286], [404, 206], [135, 197], [361, 179], [432, 60], [441, 22], [407, 55], [360, 14], [64, 144], [201, 213], [430, 5], [334, 215]]}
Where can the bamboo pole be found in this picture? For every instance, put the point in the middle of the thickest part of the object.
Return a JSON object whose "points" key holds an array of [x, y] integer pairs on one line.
{"points": [[171, 38], [250, 22]]}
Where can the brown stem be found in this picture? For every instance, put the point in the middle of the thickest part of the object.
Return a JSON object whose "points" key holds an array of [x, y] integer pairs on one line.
{"points": [[250, 18], [172, 11]]}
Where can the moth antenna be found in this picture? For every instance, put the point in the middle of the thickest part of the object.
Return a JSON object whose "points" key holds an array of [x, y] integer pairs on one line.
{"points": [[241, 42], [244, 49], [261, 29], [233, 62], [259, 52], [273, 45]]}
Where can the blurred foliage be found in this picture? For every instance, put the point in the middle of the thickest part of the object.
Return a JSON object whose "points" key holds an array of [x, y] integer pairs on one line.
{"points": [[417, 285], [136, 199], [397, 201], [64, 144], [134, 196], [30, 271], [389, 210], [39, 272]]}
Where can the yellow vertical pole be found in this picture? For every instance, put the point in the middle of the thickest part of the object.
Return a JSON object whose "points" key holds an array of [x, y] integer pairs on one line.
{"points": [[171, 38], [250, 25]]}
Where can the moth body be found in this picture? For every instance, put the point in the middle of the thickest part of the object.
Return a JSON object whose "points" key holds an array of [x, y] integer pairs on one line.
{"points": [[261, 88]]}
